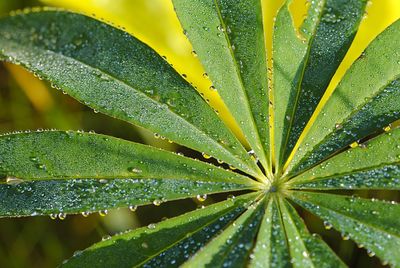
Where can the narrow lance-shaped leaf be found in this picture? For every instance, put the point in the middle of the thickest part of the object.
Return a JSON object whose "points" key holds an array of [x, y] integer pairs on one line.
{"points": [[368, 82], [306, 250], [232, 247], [373, 117], [72, 172], [373, 165], [370, 223], [66, 155], [114, 73], [305, 62], [167, 243], [271, 248], [228, 37]]}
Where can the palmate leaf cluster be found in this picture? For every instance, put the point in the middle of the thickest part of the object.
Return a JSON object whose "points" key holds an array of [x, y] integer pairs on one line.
{"points": [[297, 146]]}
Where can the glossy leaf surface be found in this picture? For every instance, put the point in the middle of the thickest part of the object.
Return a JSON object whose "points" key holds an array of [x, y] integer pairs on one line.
{"points": [[367, 80], [305, 61], [373, 165], [150, 245], [228, 37], [371, 224], [116, 74]]}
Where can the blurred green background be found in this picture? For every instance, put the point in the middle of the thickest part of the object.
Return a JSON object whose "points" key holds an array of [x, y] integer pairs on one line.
{"points": [[28, 103]]}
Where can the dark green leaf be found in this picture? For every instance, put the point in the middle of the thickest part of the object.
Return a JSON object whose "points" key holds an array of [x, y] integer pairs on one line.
{"points": [[374, 165], [114, 73], [181, 236], [228, 37], [371, 224], [306, 250], [233, 246], [364, 91], [305, 62], [271, 248]]}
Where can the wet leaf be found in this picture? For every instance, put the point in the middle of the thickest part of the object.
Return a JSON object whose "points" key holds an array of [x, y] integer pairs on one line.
{"points": [[168, 243], [365, 85], [228, 38], [373, 165], [116, 74], [370, 223], [305, 62], [233, 246]]}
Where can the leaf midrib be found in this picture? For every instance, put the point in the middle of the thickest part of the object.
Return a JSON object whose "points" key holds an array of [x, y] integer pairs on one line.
{"points": [[137, 92], [245, 95], [299, 90]]}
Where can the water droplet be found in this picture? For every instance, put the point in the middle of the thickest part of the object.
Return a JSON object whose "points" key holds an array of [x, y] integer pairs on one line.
{"points": [[106, 237], [232, 167], [103, 212], [132, 208], [53, 216], [194, 53], [327, 225], [62, 216], [370, 253], [157, 202], [205, 75], [151, 226], [201, 197], [134, 170], [338, 126], [13, 180], [354, 145], [156, 135], [212, 88], [145, 245], [206, 156], [387, 129]]}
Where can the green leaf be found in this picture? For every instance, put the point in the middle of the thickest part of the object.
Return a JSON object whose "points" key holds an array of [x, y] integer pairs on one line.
{"points": [[374, 165], [305, 62], [271, 248], [233, 246], [306, 250], [370, 223], [363, 90], [168, 243], [228, 37], [116, 74], [61, 197], [72, 172], [66, 155]]}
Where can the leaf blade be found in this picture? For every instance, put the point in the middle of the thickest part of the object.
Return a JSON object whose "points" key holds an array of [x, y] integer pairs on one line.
{"points": [[229, 40], [375, 165], [302, 77], [355, 91], [370, 223], [114, 73], [149, 242]]}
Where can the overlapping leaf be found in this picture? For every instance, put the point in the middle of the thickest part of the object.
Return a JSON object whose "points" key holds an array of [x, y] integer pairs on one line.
{"points": [[305, 62], [363, 92], [169, 243], [373, 165], [71, 172], [114, 73], [372, 224], [228, 37]]}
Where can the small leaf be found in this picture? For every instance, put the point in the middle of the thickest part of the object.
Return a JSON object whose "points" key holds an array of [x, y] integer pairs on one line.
{"points": [[229, 40], [180, 236], [374, 165], [116, 74], [365, 84], [271, 248], [370, 223], [233, 246], [306, 250], [305, 62]]}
